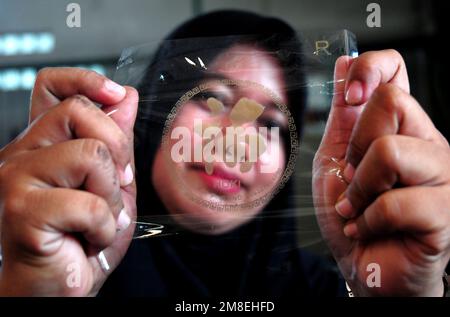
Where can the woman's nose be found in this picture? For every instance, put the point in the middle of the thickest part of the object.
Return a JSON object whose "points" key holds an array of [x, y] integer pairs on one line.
{"points": [[225, 121]]}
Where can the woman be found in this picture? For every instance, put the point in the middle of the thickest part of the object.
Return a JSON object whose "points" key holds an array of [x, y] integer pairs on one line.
{"points": [[247, 251], [67, 186]]}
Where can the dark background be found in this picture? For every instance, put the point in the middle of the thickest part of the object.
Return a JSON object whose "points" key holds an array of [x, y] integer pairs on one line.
{"points": [[414, 27]]}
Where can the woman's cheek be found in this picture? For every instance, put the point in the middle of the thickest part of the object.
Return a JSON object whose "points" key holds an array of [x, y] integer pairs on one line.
{"points": [[271, 165], [188, 113], [185, 118]]}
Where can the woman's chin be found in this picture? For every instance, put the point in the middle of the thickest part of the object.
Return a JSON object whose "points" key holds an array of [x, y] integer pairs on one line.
{"points": [[212, 221]]}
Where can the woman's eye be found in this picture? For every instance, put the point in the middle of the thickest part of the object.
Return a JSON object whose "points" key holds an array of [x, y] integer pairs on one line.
{"points": [[202, 99], [204, 95], [270, 123]]}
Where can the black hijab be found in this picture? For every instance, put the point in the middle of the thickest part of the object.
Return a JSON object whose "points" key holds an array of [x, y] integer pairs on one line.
{"points": [[258, 258]]}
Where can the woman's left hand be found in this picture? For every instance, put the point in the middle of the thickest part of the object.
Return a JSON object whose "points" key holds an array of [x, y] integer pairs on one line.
{"points": [[393, 217]]}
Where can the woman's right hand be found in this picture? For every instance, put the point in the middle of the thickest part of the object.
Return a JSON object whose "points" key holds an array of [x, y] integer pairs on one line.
{"points": [[67, 186]]}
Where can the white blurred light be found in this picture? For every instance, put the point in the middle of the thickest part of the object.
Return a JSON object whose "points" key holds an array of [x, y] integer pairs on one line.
{"points": [[11, 43], [98, 68], [28, 78], [46, 43], [29, 43], [95, 67], [26, 43], [23, 79], [11, 79]]}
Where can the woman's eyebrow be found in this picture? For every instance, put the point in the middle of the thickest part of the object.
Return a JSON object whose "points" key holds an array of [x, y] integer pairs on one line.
{"points": [[219, 77], [215, 76]]}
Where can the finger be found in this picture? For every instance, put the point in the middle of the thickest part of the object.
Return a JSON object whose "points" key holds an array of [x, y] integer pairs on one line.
{"points": [[341, 119], [111, 257], [371, 69], [55, 212], [390, 111], [392, 161], [413, 209], [341, 69], [81, 163], [333, 146], [78, 117], [56, 84], [125, 116]]}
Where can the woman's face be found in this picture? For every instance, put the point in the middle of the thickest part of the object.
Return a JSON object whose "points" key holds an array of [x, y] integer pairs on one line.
{"points": [[225, 146]]}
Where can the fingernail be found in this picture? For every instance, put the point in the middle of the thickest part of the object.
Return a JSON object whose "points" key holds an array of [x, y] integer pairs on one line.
{"points": [[345, 208], [115, 88], [349, 171], [354, 93], [103, 262], [351, 230], [127, 176], [123, 221]]}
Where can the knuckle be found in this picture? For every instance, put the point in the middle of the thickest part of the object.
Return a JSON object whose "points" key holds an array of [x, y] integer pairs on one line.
{"points": [[9, 173], [100, 217], [133, 93], [357, 194], [371, 59], [88, 75], [386, 207], [13, 205], [42, 75], [29, 241], [386, 149], [98, 211], [120, 145], [13, 193], [6, 170], [96, 149], [440, 242], [93, 78], [388, 97], [74, 103], [366, 56], [394, 54], [367, 61]]}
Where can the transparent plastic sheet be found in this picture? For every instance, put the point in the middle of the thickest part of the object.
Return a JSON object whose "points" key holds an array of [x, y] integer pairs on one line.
{"points": [[207, 85]]}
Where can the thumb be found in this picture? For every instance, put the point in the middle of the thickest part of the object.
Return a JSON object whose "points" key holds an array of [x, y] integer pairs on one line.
{"points": [[124, 113], [342, 116]]}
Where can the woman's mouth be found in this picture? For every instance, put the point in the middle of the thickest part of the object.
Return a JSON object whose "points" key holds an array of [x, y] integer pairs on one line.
{"points": [[220, 181]]}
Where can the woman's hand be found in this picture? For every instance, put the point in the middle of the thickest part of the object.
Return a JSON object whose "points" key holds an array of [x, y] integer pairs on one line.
{"points": [[395, 211], [66, 186]]}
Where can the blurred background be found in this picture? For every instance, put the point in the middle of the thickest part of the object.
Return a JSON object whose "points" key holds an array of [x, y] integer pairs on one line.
{"points": [[34, 34]]}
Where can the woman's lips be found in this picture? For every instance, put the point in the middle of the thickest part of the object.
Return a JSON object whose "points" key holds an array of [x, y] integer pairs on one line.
{"points": [[220, 181]]}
